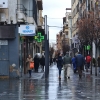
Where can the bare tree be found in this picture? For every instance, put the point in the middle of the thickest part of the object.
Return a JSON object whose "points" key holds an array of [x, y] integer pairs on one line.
{"points": [[65, 48], [51, 50]]}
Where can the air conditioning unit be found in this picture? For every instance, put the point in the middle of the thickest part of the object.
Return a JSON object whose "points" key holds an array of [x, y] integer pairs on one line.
{"points": [[2, 17], [3, 3], [20, 16]]}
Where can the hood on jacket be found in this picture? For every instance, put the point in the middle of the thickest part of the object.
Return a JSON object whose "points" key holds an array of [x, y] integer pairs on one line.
{"points": [[67, 54]]}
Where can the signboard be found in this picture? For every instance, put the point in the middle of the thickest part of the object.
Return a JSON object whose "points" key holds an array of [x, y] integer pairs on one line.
{"points": [[7, 32], [88, 47], [39, 37], [27, 30], [3, 3], [3, 42]]}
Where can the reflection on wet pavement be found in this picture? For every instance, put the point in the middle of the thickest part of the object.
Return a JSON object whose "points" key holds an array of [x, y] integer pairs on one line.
{"points": [[88, 88]]}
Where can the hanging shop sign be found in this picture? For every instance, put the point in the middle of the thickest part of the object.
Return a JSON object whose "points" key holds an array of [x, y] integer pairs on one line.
{"points": [[27, 30], [39, 37]]}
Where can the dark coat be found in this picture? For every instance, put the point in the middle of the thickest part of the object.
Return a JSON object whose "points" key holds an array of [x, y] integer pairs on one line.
{"points": [[42, 60], [36, 61], [80, 61], [98, 61], [59, 61]]}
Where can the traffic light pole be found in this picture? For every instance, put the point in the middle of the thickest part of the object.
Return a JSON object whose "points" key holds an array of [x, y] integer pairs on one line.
{"points": [[46, 48]]}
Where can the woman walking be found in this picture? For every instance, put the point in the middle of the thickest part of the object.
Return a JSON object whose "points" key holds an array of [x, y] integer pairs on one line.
{"points": [[28, 61], [59, 63]]}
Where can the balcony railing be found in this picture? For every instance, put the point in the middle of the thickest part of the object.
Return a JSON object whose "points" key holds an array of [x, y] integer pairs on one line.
{"points": [[21, 8]]}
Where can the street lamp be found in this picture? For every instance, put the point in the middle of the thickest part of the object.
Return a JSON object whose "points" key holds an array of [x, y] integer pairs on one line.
{"points": [[46, 47]]}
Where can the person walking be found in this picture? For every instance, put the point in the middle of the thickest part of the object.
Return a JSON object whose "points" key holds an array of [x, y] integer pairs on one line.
{"points": [[42, 62], [80, 61], [88, 60], [36, 63], [74, 64], [28, 61], [99, 63], [59, 63], [67, 64], [50, 60]]}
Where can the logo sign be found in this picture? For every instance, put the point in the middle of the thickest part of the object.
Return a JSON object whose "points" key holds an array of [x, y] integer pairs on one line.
{"points": [[27, 30], [39, 37]]}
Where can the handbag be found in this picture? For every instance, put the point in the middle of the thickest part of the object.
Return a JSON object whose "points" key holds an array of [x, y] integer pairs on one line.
{"points": [[31, 65]]}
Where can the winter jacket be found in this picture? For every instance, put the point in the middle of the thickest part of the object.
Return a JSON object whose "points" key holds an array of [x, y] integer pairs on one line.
{"points": [[36, 61], [88, 59], [59, 61], [80, 61], [74, 62], [28, 63], [98, 61], [67, 59], [42, 61]]}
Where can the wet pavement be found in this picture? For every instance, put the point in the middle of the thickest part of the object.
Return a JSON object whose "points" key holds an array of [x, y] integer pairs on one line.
{"points": [[88, 88]]}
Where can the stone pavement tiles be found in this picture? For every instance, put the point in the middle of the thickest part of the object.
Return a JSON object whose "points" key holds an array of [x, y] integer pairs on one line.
{"points": [[88, 88]]}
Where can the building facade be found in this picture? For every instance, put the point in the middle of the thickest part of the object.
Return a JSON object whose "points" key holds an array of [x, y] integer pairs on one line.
{"points": [[15, 13], [84, 9], [58, 42], [75, 15]]}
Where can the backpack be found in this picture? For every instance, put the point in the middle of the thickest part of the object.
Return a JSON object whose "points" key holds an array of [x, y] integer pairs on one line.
{"points": [[88, 59]]}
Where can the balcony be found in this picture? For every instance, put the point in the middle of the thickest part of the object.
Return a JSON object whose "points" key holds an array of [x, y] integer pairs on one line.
{"points": [[40, 5], [21, 13]]}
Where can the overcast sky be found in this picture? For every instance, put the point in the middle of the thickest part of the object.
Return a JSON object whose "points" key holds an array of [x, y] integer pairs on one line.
{"points": [[55, 9]]}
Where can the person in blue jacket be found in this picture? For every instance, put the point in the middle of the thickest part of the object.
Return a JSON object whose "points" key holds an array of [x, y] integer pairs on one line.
{"points": [[80, 61], [74, 64]]}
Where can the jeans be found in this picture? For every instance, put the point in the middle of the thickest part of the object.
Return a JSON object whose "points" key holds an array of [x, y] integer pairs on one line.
{"points": [[59, 68], [29, 71], [88, 65]]}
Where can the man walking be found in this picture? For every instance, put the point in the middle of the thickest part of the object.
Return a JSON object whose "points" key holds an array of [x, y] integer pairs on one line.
{"points": [[67, 63], [80, 61]]}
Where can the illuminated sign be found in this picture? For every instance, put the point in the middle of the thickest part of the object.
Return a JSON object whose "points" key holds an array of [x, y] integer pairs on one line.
{"points": [[27, 30], [39, 37]]}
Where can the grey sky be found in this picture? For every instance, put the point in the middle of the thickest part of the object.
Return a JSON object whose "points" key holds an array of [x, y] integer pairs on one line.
{"points": [[55, 9]]}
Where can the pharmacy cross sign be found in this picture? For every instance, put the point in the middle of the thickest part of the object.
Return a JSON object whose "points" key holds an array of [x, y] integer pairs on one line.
{"points": [[39, 37]]}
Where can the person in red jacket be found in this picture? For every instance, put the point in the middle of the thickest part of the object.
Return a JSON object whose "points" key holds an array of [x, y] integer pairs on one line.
{"points": [[88, 60]]}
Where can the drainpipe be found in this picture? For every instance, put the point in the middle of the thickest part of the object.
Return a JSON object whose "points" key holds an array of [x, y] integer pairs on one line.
{"points": [[87, 5]]}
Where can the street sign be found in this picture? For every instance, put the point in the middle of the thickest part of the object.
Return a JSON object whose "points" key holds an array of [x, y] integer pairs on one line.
{"points": [[39, 37]]}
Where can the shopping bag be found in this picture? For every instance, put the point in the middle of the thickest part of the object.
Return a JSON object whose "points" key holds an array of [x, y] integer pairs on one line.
{"points": [[31, 65]]}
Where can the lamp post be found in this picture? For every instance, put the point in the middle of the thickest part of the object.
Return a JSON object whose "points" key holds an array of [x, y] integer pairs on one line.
{"points": [[46, 47]]}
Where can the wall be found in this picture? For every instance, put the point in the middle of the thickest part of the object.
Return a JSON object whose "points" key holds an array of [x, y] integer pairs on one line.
{"points": [[14, 54], [12, 10]]}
